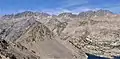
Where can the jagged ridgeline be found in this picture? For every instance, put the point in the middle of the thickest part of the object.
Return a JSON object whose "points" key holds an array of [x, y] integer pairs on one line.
{"points": [[35, 35]]}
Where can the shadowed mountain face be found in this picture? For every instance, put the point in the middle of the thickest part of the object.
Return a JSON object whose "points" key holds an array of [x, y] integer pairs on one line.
{"points": [[33, 35]]}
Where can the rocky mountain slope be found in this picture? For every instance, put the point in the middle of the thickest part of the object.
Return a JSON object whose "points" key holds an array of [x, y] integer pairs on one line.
{"points": [[34, 35]]}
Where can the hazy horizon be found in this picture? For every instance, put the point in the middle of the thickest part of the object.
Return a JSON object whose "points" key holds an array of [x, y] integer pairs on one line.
{"points": [[55, 6]]}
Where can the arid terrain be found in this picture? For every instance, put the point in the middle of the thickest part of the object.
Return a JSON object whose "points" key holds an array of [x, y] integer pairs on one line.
{"points": [[35, 35]]}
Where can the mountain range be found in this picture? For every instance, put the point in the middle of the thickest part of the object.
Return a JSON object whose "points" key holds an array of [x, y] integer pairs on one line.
{"points": [[35, 35]]}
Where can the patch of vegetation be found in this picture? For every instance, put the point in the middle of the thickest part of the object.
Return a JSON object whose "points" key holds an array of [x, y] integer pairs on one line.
{"points": [[83, 23]]}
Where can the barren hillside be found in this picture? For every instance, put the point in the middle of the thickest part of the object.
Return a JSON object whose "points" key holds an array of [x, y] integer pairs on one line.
{"points": [[33, 35]]}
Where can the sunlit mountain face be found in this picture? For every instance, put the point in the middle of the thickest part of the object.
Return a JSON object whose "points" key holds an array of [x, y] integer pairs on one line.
{"points": [[59, 29]]}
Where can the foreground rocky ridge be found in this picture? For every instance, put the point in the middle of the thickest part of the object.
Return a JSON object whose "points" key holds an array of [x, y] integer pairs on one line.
{"points": [[66, 36]]}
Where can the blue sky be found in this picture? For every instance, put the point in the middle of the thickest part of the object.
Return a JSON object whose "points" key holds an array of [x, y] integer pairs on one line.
{"points": [[57, 6]]}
